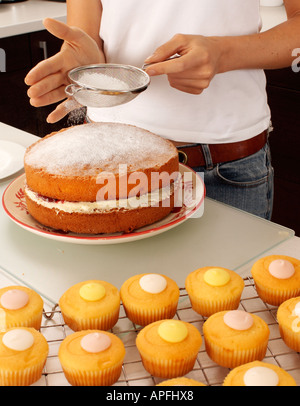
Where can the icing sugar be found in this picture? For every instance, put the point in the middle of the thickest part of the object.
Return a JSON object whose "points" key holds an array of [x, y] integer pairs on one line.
{"points": [[261, 376], [14, 299], [281, 269], [92, 292], [153, 283], [85, 149], [216, 277], [297, 309], [296, 325], [238, 320], [102, 81], [18, 339], [95, 342], [172, 331]]}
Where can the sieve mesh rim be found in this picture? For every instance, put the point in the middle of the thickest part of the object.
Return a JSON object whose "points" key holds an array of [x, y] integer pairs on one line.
{"points": [[85, 68]]}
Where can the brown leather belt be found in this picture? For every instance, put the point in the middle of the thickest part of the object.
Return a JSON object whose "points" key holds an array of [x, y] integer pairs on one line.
{"points": [[193, 154]]}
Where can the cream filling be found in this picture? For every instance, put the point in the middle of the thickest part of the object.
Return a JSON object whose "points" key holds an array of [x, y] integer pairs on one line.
{"points": [[146, 200]]}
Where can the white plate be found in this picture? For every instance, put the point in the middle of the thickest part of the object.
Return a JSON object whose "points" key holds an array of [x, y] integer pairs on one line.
{"points": [[193, 190], [11, 158]]}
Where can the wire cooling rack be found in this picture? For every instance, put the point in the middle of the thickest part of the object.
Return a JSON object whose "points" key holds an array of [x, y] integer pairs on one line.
{"points": [[205, 370]]}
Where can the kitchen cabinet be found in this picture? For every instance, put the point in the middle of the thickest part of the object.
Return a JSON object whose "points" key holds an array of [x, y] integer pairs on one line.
{"points": [[22, 53], [283, 88]]}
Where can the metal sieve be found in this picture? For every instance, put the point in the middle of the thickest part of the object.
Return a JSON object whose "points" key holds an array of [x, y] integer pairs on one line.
{"points": [[132, 82]]}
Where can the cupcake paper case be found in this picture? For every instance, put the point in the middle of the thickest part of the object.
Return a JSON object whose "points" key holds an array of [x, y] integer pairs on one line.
{"points": [[258, 373], [212, 289], [92, 358], [235, 337], [169, 348], [148, 298], [276, 278], [91, 304], [20, 307], [288, 317], [23, 354]]}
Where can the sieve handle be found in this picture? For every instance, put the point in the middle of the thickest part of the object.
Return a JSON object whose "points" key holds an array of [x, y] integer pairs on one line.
{"points": [[168, 59], [70, 90]]}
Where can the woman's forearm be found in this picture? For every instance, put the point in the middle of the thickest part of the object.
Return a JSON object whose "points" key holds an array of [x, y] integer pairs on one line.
{"points": [[86, 14], [272, 49]]}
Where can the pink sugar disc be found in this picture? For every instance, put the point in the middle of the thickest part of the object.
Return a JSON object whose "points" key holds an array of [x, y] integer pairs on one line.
{"points": [[14, 299], [238, 319], [95, 342], [281, 269]]}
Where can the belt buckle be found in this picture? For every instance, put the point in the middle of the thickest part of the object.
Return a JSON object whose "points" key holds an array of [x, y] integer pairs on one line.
{"points": [[183, 158]]}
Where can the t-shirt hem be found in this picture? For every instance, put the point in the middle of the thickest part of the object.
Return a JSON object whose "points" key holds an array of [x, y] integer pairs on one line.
{"points": [[202, 137]]}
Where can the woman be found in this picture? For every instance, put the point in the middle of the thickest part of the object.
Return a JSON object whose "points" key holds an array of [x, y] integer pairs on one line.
{"points": [[211, 102]]}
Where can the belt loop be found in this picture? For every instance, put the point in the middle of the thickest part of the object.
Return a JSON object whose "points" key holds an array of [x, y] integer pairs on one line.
{"points": [[207, 156]]}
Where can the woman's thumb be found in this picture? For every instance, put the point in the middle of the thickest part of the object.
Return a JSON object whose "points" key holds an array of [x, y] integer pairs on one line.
{"points": [[62, 30]]}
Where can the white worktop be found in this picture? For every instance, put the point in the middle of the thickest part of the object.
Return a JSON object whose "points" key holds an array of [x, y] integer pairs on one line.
{"points": [[223, 236], [27, 16]]}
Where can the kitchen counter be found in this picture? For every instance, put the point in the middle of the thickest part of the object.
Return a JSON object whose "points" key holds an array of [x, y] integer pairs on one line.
{"points": [[222, 236], [26, 17]]}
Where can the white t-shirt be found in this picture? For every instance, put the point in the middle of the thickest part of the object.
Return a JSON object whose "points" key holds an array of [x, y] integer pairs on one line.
{"points": [[233, 108]]}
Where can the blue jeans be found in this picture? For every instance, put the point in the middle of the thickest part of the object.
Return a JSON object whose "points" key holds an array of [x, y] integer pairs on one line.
{"points": [[246, 183]]}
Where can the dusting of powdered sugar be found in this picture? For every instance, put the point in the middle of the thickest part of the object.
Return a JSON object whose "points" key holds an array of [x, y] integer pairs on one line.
{"points": [[84, 149], [102, 81]]}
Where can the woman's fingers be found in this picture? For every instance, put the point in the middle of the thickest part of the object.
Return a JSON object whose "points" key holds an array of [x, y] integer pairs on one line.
{"points": [[193, 71], [168, 49], [54, 96], [189, 85], [57, 62], [45, 68], [46, 85], [62, 110]]}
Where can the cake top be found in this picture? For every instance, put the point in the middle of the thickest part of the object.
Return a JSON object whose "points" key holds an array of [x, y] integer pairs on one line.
{"points": [[85, 149]]}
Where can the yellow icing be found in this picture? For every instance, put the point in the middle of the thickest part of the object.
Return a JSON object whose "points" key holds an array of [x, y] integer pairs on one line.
{"points": [[216, 277], [92, 291], [172, 331]]}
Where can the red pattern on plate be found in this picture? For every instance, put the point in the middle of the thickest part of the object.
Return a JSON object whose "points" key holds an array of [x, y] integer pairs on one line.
{"points": [[21, 203]]}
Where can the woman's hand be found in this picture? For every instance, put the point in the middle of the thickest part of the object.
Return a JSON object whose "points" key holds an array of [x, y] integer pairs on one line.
{"points": [[193, 71], [48, 79]]}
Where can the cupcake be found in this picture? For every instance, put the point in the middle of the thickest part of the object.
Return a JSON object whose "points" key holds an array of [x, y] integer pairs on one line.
{"points": [[276, 278], [181, 381], [91, 304], [235, 337], [91, 358], [20, 307], [214, 289], [23, 354], [169, 348], [149, 297], [259, 373], [288, 317]]}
